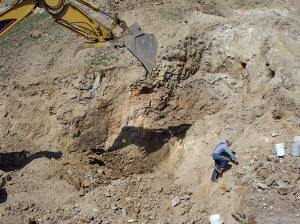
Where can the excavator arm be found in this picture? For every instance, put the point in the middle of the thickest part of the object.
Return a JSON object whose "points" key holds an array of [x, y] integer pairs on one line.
{"points": [[68, 14], [17, 11]]}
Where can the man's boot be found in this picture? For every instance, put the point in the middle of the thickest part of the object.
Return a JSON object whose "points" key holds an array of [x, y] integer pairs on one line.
{"points": [[218, 169]]}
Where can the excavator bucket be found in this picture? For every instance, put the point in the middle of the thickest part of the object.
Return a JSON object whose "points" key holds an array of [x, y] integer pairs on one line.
{"points": [[142, 45]]}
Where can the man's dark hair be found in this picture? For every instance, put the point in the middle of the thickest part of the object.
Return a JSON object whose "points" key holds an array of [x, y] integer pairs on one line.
{"points": [[228, 142]]}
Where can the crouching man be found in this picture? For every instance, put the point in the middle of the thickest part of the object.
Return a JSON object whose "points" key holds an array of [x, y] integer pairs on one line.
{"points": [[220, 160]]}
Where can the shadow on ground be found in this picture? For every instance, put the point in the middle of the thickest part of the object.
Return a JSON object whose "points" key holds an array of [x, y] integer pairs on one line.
{"points": [[149, 139], [17, 160], [3, 195]]}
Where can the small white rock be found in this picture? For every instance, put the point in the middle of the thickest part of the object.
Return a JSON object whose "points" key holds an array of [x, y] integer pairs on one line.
{"points": [[262, 186], [215, 219], [176, 201], [267, 139]]}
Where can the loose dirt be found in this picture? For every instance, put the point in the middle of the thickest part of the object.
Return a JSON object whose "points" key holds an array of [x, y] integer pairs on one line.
{"points": [[92, 138]]}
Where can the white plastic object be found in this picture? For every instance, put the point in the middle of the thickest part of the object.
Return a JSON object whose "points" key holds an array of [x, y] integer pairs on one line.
{"points": [[215, 219], [296, 139], [279, 149], [296, 149]]}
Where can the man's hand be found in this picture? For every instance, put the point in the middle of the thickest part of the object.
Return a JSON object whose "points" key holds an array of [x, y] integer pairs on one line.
{"points": [[235, 162]]}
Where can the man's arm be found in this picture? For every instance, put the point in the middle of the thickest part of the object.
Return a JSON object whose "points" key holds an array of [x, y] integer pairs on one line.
{"points": [[227, 150]]}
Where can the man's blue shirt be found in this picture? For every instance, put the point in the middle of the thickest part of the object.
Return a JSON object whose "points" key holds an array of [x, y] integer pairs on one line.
{"points": [[221, 148]]}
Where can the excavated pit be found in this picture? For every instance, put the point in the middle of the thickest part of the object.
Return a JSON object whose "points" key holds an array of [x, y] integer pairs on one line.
{"points": [[132, 142], [135, 151], [101, 151]]}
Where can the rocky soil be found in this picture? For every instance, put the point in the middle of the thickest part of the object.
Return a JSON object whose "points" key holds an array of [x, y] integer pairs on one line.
{"points": [[92, 138]]}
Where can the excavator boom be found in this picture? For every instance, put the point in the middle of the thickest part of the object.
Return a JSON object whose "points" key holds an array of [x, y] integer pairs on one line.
{"points": [[17, 11], [68, 14]]}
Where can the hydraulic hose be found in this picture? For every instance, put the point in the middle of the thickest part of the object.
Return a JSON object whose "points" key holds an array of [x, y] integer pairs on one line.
{"points": [[47, 7]]}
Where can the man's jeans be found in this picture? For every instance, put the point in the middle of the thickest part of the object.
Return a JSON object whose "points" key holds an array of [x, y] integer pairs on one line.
{"points": [[220, 162]]}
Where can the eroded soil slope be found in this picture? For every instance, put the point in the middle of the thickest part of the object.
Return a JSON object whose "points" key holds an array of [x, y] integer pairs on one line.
{"points": [[92, 138]]}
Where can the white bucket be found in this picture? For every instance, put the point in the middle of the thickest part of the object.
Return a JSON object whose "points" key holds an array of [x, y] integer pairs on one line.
{"points": [[215, 219], [279, 149], [296, 139], [296, 149]]}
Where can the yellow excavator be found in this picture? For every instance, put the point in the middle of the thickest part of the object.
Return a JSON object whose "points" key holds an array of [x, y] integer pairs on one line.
{"points": [[68, 14]]}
